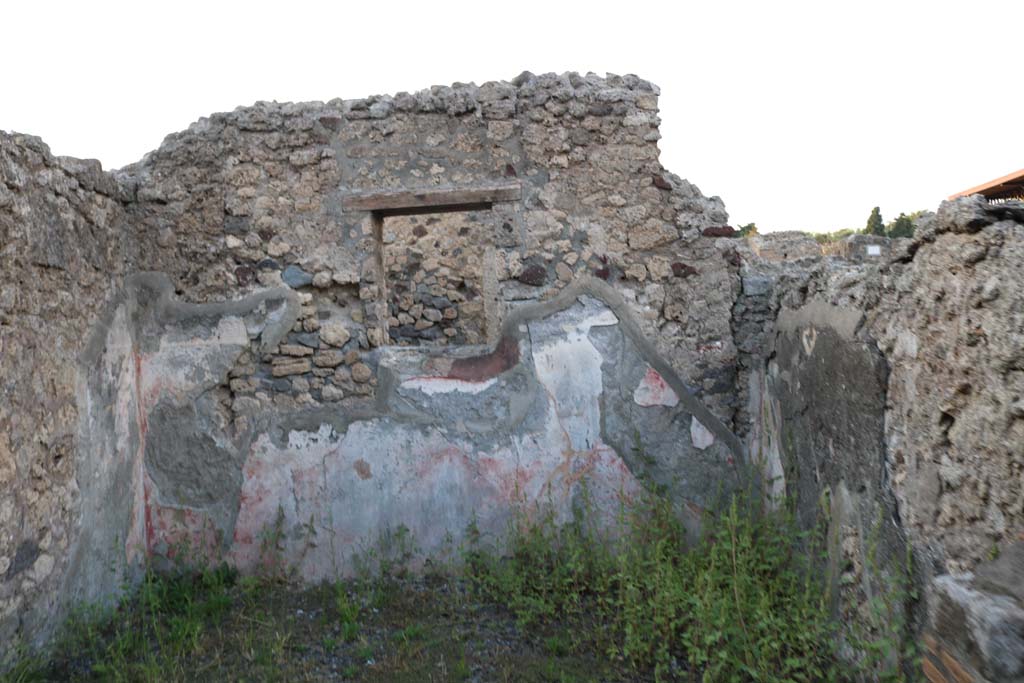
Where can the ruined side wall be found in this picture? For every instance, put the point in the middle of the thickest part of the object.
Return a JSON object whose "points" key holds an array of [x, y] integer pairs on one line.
{"points": [[896, 389], [952, 324], [62, 460]]}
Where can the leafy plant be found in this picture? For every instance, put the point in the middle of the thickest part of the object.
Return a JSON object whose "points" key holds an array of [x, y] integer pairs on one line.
{"points": [[739, 606]]}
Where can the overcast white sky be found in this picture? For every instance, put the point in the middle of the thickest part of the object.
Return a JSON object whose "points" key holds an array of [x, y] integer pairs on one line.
{"points": [[800, 115]]}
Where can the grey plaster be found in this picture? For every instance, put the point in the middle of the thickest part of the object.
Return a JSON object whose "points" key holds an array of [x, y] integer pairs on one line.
{"points": [[196, 461], [606, 294], [825, 395], [156, 294], [191, 459]]}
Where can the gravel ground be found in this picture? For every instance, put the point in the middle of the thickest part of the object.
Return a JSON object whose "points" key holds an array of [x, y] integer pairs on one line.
{"points": [[421, 630]]}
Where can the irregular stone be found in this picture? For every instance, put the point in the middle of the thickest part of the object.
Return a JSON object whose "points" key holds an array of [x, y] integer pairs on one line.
{"points": [[683, 270], [291, 366], [661, 183], [308, 339], [295, 350], [245, 275], [431, 333], [304, 157], [990, 291], [361, 372], [651, 234], [329, 358], [165, 238], [534, 275], [636, 271], [296, 277], [243, 386], [331, 392], [278, 249], [242, 370], [335, 334]]}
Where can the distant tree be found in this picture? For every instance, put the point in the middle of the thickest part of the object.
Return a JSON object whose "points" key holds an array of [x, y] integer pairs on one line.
{"points": [[748, 230], [875, 225], [901, 227]]}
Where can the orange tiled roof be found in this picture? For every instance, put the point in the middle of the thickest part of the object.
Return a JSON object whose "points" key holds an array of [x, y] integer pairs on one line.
{"points": [[1008, 187]]}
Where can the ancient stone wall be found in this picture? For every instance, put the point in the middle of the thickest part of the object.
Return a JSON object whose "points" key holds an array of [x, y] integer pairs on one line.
{"points": [[785, 247], [61, 264], [257, 198], [246, 348], [591, 202]]}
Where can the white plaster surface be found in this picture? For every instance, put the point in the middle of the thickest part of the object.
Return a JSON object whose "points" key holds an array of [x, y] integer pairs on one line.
{"points": [[699, 434], [432, 386]]}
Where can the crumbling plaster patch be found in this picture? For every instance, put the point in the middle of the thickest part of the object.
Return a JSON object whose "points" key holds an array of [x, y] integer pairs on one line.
{"points": [[417, 455]]}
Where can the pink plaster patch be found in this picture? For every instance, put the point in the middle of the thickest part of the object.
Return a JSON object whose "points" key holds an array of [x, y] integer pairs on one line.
{"points": [[653, 390], [187, 534]]}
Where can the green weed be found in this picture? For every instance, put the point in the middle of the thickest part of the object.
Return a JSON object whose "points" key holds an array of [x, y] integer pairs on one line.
{"points": [[348, 613], [740, 606]]}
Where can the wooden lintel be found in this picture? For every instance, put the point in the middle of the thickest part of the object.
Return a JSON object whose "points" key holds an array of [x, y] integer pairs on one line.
{"points": [[425, 199], [436, 208]]}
